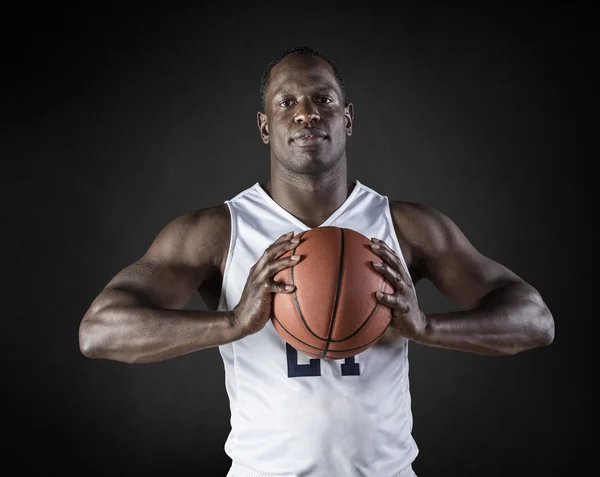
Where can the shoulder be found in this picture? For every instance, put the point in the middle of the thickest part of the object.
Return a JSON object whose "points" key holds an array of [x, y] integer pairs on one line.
{"points": [[425, 229], [199, 237]]}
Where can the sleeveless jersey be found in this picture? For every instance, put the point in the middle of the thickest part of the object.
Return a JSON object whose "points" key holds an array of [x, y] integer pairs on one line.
{"points": [[292, 415]]}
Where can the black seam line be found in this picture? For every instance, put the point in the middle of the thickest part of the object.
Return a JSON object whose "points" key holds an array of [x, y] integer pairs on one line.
{"points": [[331, 350], [337, 294], [306, 324], [295, 296], [366, 320], [296, 338], [357, 347]]}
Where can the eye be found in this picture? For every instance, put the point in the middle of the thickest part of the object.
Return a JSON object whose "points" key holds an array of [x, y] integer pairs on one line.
{"points": [[324, 100], [286, 103]]}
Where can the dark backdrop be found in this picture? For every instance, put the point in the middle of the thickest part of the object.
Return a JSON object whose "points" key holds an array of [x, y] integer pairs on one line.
{"points": [[120, 119]]}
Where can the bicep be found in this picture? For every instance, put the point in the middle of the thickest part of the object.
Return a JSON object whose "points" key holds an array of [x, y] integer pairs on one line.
{"points": [[157, 282], [454, 265], [169, 273]]}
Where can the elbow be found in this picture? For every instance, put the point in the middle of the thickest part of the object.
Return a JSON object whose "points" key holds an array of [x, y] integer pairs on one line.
{"points": [[95, 330], [536, 329], [541, 326], [88, 344], [93, 333], [546, 328], [99, 340]]}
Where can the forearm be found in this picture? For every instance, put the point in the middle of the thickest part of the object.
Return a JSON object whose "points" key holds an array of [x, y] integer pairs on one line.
{"points": [[141, 333], [509, 320]]}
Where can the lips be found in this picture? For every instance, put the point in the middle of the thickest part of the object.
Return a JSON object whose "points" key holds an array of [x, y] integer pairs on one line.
{"points": [[309, 137], [309, 133]]}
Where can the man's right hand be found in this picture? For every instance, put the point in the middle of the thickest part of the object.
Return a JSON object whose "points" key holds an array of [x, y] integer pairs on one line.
{"points": [[253, 311]]}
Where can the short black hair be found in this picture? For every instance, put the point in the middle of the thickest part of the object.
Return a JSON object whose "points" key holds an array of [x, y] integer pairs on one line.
{"points": [[264, 82]]}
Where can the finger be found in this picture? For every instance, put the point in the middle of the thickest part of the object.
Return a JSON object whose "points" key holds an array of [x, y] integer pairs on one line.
{"points": [[280, 248], [392, 300], [391, 275], [279, 287], [378, 244], [381, 249], [383, 245], [283, 263], [384, 251], [283, 239], [285, 236], [272, 268]]}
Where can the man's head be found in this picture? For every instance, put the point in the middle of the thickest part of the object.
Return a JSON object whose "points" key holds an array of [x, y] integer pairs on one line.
{"points": [[306, 115], [265, 80]]}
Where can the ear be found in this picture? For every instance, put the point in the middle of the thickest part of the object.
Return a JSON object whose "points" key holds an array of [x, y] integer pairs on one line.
{"points": [[263, 126], [349, 114]]}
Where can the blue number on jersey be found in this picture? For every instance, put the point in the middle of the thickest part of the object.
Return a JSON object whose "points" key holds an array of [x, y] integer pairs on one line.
{"points": [[295, 370], [350, 367]]}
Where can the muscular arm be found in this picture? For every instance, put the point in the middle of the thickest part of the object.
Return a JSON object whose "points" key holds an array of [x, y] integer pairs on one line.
{"points": [[500, 313], [138, 316]]}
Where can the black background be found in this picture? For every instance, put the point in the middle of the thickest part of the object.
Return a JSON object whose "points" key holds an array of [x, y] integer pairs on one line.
{"points": [[119, 119]]}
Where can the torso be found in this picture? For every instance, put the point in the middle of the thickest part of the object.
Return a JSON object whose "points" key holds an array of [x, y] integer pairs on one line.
{"points": [[210, 291], [276, 390]]}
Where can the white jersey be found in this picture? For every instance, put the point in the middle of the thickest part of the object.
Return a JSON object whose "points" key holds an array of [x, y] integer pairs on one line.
{"points": [[295, 416]]}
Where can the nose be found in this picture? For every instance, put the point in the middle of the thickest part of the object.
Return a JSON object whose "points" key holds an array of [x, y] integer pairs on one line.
{"points": [[306, 112]]}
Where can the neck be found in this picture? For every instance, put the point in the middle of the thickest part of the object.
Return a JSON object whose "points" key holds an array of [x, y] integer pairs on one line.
{"points": [[311, 198]]}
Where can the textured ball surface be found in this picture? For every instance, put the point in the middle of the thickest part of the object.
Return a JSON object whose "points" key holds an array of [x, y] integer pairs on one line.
{"points": [[333, 313]]}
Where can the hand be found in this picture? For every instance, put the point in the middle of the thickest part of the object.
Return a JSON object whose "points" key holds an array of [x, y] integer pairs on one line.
{"points": [[253, 311], [407, 318]]}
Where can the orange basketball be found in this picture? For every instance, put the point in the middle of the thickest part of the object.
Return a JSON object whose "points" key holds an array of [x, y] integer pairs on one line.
{"points": [[333, 313]]}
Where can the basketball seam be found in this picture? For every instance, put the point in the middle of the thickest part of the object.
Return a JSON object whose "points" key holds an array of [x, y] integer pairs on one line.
{"points": [[329, 340], [295, 337], [369, 316], [331, 350], [337, 293], [295, 297]]}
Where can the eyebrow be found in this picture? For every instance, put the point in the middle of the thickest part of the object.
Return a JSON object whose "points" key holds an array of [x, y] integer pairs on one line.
{"points": [[282, 90]]}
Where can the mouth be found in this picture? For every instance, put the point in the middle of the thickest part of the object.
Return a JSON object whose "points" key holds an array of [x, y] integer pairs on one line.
{"points": [[309, 137]]}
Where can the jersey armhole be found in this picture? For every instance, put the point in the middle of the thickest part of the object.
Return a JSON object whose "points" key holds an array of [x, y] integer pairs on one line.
{"points": [[388, 214], [232, 217]]}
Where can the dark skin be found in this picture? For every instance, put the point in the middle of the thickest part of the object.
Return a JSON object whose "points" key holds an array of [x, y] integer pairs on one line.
{"points": [[139, 315], [308, 180]]}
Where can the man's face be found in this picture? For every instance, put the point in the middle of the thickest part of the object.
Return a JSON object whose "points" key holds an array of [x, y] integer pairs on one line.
{"points": [[306, 121]]}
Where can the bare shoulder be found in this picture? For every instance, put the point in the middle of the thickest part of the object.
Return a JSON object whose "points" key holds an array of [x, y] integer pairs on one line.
{"points": [[417, 218], [197, 238], [185, 257], [422, 230]]}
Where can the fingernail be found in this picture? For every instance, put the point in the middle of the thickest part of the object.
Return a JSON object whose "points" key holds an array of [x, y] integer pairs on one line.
{"points": [[377, 264], [375, 246], [373, 239], [289, 233], [295, 240], [289, 287], [295, 257]]}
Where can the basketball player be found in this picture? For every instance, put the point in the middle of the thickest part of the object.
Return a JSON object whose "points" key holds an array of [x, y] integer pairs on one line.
{"points": [[292, 415]]}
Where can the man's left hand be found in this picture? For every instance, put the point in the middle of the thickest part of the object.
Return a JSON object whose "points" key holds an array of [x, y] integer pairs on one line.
{"points": [[407, 318]]}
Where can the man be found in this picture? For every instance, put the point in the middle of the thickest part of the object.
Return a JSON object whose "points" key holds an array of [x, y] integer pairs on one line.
{"points": [[292, 415]]}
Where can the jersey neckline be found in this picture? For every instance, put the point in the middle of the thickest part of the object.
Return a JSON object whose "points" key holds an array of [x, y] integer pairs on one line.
{"points": [[336, 213]]}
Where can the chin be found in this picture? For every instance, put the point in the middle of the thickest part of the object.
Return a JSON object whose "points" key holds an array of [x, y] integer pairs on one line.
{"points": [[312, 164]]}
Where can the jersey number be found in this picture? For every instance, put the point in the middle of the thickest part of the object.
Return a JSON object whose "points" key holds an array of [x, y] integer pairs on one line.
{"points": [[295, 370]]}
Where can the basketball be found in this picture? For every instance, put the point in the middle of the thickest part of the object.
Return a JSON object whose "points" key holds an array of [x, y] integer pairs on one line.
{"points": [[333, 312]]}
